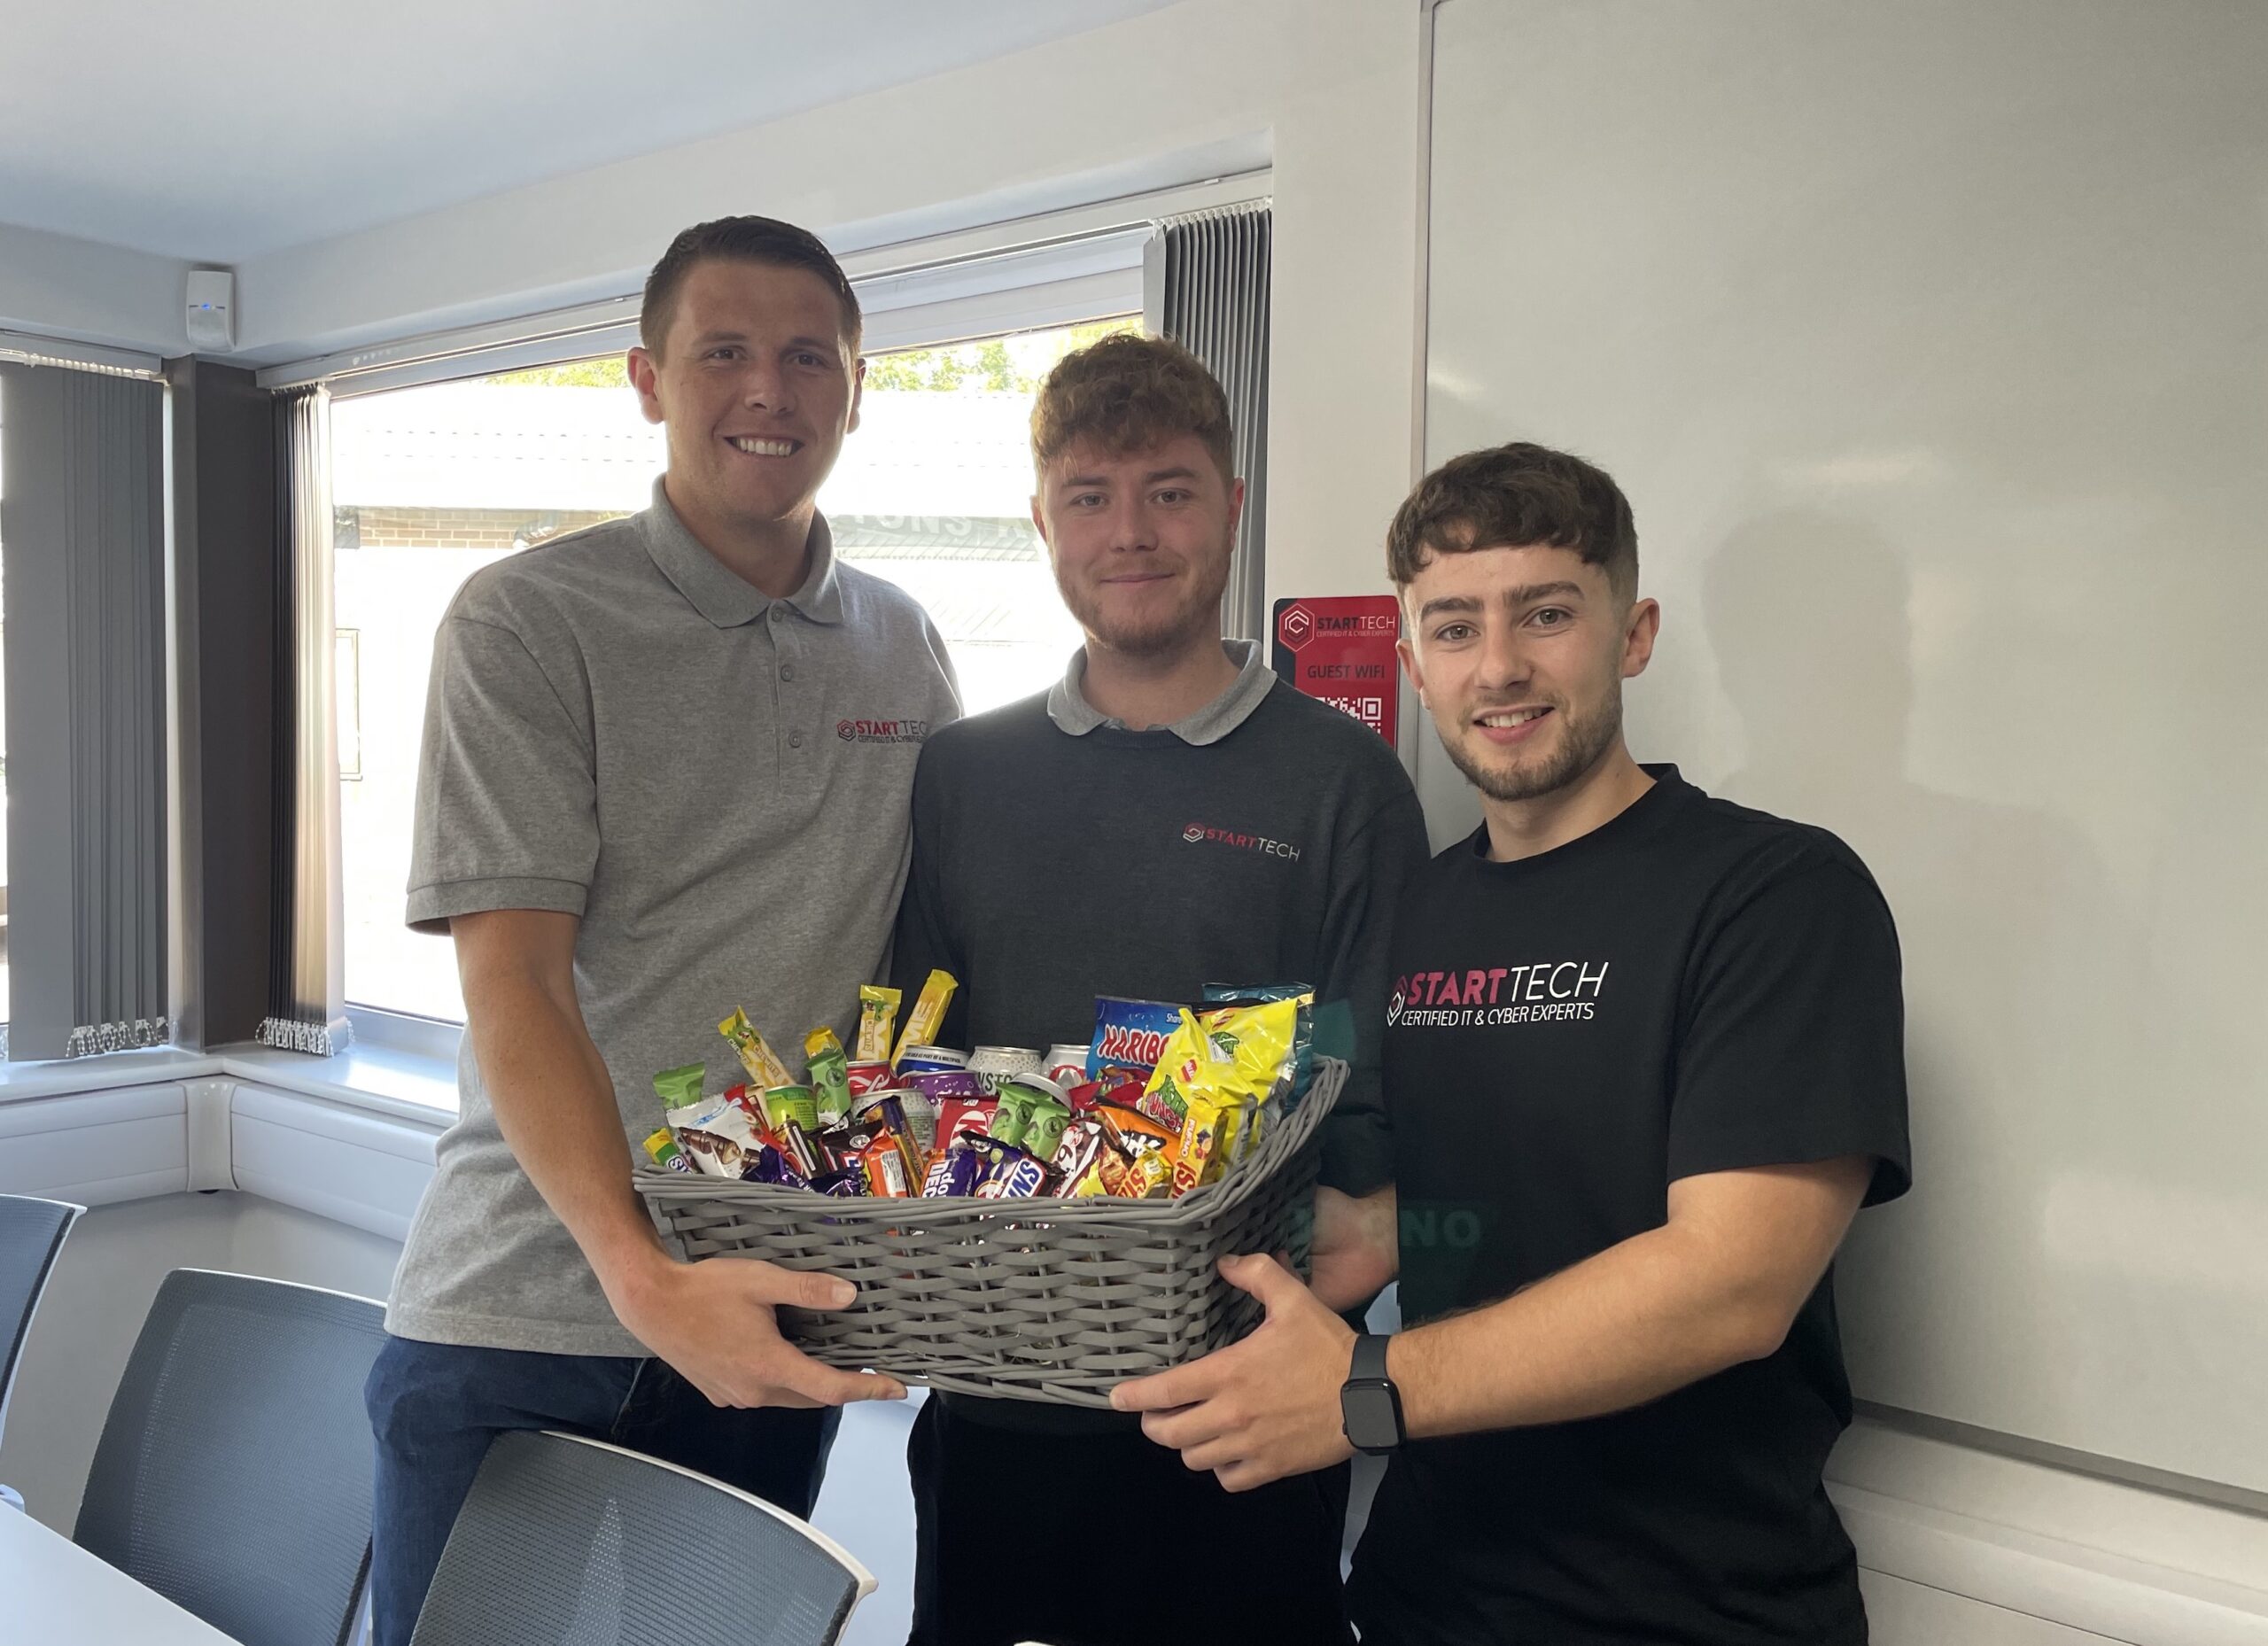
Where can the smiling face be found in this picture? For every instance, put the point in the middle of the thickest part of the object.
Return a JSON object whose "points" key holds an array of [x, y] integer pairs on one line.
{"points": [[1520, 654], [1140, 542], [756, 385]]}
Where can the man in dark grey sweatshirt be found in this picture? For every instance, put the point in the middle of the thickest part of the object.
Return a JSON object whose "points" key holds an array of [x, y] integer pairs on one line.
{"points": [[1166, 816]]}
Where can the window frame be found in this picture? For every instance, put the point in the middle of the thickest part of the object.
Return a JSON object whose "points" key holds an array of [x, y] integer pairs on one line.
{"points": [[1055, 280]]}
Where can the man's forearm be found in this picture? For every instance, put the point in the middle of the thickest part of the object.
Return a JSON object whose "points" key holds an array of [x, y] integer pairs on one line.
{"points": [[1633, 1324], [554, 1103]]}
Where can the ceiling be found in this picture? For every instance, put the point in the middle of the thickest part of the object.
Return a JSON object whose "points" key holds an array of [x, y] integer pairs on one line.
{"points": [[218, 130]]}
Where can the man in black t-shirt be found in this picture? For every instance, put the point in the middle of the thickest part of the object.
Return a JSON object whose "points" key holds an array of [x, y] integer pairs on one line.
{"points": [[1643, 1063], [1169, 815]]}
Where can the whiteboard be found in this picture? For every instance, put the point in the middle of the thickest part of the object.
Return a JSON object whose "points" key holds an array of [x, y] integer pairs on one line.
{"points": [[1931, 343]]}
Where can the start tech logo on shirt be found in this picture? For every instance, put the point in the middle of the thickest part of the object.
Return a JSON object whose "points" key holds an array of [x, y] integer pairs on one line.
{"points": [[1497, 996], [1204, 833], [883, 731]]}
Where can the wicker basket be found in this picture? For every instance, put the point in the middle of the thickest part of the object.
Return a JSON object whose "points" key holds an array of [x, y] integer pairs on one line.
{"points": [[1034, 1300]]}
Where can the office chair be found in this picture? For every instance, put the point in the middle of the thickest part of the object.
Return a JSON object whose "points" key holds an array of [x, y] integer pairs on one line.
{"points": [[31, 1234], [234, 1472], [568, 1539]]}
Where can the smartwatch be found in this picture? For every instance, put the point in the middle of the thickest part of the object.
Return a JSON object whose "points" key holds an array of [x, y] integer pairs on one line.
{"points": [[1369, 1404]]}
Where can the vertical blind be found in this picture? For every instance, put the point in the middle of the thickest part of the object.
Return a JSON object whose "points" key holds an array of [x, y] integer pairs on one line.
{"points": [[1206, 278], [82, 550], [305, 986]]}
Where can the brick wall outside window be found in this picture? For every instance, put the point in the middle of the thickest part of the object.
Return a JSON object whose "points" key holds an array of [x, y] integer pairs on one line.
{"points": [[490, 529]]}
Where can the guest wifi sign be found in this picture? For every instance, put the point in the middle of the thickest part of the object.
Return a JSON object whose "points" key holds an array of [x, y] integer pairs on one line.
{"points": [[1339, 649]]}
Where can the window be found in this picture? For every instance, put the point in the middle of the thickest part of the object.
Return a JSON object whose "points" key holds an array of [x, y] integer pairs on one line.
{"points": [[431, 483]]}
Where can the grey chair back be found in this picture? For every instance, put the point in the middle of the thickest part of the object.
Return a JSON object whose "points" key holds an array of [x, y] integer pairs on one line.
{"points": [[234, 1472], [563, 1539], [31, 1234]]}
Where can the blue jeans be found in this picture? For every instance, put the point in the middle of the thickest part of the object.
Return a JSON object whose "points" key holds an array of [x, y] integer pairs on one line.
{"points": [[435, 1407]]}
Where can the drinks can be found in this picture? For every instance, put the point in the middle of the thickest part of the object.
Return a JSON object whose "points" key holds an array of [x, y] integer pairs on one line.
{"points": [[929, 1059], [991, 1064]]}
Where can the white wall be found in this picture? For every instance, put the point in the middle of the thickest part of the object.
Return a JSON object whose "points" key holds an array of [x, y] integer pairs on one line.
{"points": [[56, 286]]}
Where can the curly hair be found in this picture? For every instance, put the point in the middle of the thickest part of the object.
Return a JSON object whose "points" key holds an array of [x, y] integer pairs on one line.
{"points": [[1512, 496], [1126, 393]]}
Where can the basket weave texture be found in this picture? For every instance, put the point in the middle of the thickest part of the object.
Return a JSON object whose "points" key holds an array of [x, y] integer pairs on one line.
{"points": [[1047, 1299]]}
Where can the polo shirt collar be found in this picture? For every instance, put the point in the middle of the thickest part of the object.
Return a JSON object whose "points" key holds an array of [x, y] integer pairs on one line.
{"points": [[721, 595], [1069, 708]]}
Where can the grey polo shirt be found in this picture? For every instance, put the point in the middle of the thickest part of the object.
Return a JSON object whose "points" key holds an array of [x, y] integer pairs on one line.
{"points": [[719, 784], [1069, 708]]}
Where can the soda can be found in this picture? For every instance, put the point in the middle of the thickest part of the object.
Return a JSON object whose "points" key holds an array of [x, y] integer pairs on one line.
{"points": [[931, 1059], [1066, 1064], [993, 1064], [865, 1077]]}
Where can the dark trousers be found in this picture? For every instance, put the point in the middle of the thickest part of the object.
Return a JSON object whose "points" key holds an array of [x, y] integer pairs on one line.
{"points": [[435, 1407], [1106, 1539]]}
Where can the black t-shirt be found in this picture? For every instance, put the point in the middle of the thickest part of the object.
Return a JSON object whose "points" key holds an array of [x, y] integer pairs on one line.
{"points": [[1050, 868], [1692, 988]]}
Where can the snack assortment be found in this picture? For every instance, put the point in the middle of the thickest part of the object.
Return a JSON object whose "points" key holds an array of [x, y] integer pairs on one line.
{"points": [[1163, 1098]]}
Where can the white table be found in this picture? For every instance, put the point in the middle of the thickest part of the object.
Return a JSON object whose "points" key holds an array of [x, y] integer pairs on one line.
{"points": [[59, 1593]]}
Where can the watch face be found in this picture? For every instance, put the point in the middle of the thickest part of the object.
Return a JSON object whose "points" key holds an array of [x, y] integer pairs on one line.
{"points": [[1373, 1416]]}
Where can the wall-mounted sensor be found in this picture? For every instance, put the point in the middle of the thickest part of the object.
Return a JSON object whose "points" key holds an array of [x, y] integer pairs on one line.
{"points": [[211, 309]]}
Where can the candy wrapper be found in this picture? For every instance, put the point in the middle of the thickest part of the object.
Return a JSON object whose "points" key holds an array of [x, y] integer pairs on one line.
{"points": [[1010, 1174], [785, 1103], [772, 1166], [764, 1068], [712, 1156], [1130, 1034], [681, 1088], [877, 1016], [956, 1115], [666, 1153], [829, 1072], [1230, 1061], [953, 1170], [929, 1013]]}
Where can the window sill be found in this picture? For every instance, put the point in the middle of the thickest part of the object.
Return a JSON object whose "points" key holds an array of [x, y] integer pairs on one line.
{"points": [[347, 1138]]}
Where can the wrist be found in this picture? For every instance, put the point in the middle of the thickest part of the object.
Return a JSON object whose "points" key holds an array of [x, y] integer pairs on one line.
{"points": [[632, 1274], [1370, 1405]]}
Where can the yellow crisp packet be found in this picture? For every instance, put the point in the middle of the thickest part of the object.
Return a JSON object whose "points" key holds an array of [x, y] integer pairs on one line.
{"points": [[1207, 1135], [1216, 1071], [929, 1014], [1150, 1177], [764, 1068], [877, 1016]]}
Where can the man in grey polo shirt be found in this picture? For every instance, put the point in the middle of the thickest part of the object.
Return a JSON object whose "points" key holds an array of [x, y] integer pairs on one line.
{"points": [[666, 772]]}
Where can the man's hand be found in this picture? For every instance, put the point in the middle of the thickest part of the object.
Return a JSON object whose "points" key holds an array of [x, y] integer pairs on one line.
{"points": [[1357, 1251], [554, 1103], [713, 1322], [1264, 1409]]}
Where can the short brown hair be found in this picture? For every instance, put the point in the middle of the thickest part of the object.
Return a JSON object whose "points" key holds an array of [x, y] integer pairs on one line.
{"points": [[1510, 496], [1126, 393], [744, 240]]}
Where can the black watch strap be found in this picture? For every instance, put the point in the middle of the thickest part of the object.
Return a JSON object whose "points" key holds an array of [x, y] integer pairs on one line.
{"points": [[1369, 1406], [1370, 1356]]}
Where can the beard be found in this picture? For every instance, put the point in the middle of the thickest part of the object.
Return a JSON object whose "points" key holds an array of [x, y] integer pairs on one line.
{"points": [[1583, 740], [1196, 617]]}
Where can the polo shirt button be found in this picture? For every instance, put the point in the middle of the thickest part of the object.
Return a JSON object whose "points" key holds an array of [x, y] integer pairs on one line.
{"points": [[794, 740], [787, 670]]}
